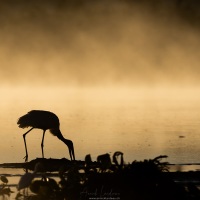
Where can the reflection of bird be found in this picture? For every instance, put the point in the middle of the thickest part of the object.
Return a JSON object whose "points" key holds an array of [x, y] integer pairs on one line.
{"points": [[44, 120], [27, 178], [44, 187]]}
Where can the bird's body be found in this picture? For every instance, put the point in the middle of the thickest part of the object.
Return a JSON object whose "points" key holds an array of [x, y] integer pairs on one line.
{"points": [[39, 119], [44, 120]]}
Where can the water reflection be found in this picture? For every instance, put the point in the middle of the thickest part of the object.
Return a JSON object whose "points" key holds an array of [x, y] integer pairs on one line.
{"points": [[107, 177]]}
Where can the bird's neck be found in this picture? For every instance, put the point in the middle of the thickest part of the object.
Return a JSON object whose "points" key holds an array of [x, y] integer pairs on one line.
{"points": [[56, 132]]}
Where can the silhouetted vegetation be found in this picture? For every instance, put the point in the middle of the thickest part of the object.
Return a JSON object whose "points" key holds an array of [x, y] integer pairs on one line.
{"points": [[108, 178], [4, 188]]}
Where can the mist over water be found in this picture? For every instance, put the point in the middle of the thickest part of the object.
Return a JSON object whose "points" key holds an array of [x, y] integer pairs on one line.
{"points": [[99, 43], [142, 123], [121, 75]]}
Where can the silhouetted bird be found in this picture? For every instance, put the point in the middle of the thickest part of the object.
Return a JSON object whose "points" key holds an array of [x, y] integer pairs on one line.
{"points": [[44, 120], [27, 178]]}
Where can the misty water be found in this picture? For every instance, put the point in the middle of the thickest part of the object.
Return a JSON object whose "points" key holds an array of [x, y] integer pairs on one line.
{"points": [[88, 64], [142, 123]]}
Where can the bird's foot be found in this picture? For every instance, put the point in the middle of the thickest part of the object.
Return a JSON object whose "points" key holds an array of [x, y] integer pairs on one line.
{"points": [[26, 158]]}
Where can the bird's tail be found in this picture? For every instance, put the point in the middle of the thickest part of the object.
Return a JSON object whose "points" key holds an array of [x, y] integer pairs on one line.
{"points": [[23, 122]]}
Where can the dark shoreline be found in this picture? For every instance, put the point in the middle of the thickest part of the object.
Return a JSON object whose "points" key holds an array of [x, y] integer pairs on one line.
{"points": [[54, 164], [139, 180]]}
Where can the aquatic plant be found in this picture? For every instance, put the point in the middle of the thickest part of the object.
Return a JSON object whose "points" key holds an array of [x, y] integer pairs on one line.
{"points": [[150, 166], [115, 158], [109, 179], [104, 162], [4, 188]]}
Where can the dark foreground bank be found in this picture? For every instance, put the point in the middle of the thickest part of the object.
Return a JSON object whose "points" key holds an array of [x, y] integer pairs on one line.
{"points": [[104, 179]]}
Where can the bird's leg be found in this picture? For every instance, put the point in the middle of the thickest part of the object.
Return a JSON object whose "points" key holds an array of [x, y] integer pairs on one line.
{"points": [[71, 151], [24, 136], [72, 155], [42, 143]]}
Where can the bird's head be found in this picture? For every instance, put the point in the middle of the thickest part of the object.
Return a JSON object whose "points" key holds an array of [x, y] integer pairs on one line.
{"points": [[70, 146], [69, 143]]}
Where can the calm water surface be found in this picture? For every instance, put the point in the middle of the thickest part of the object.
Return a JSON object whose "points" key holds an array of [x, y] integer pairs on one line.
{"points": [[14, 175], [141, 123]]}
